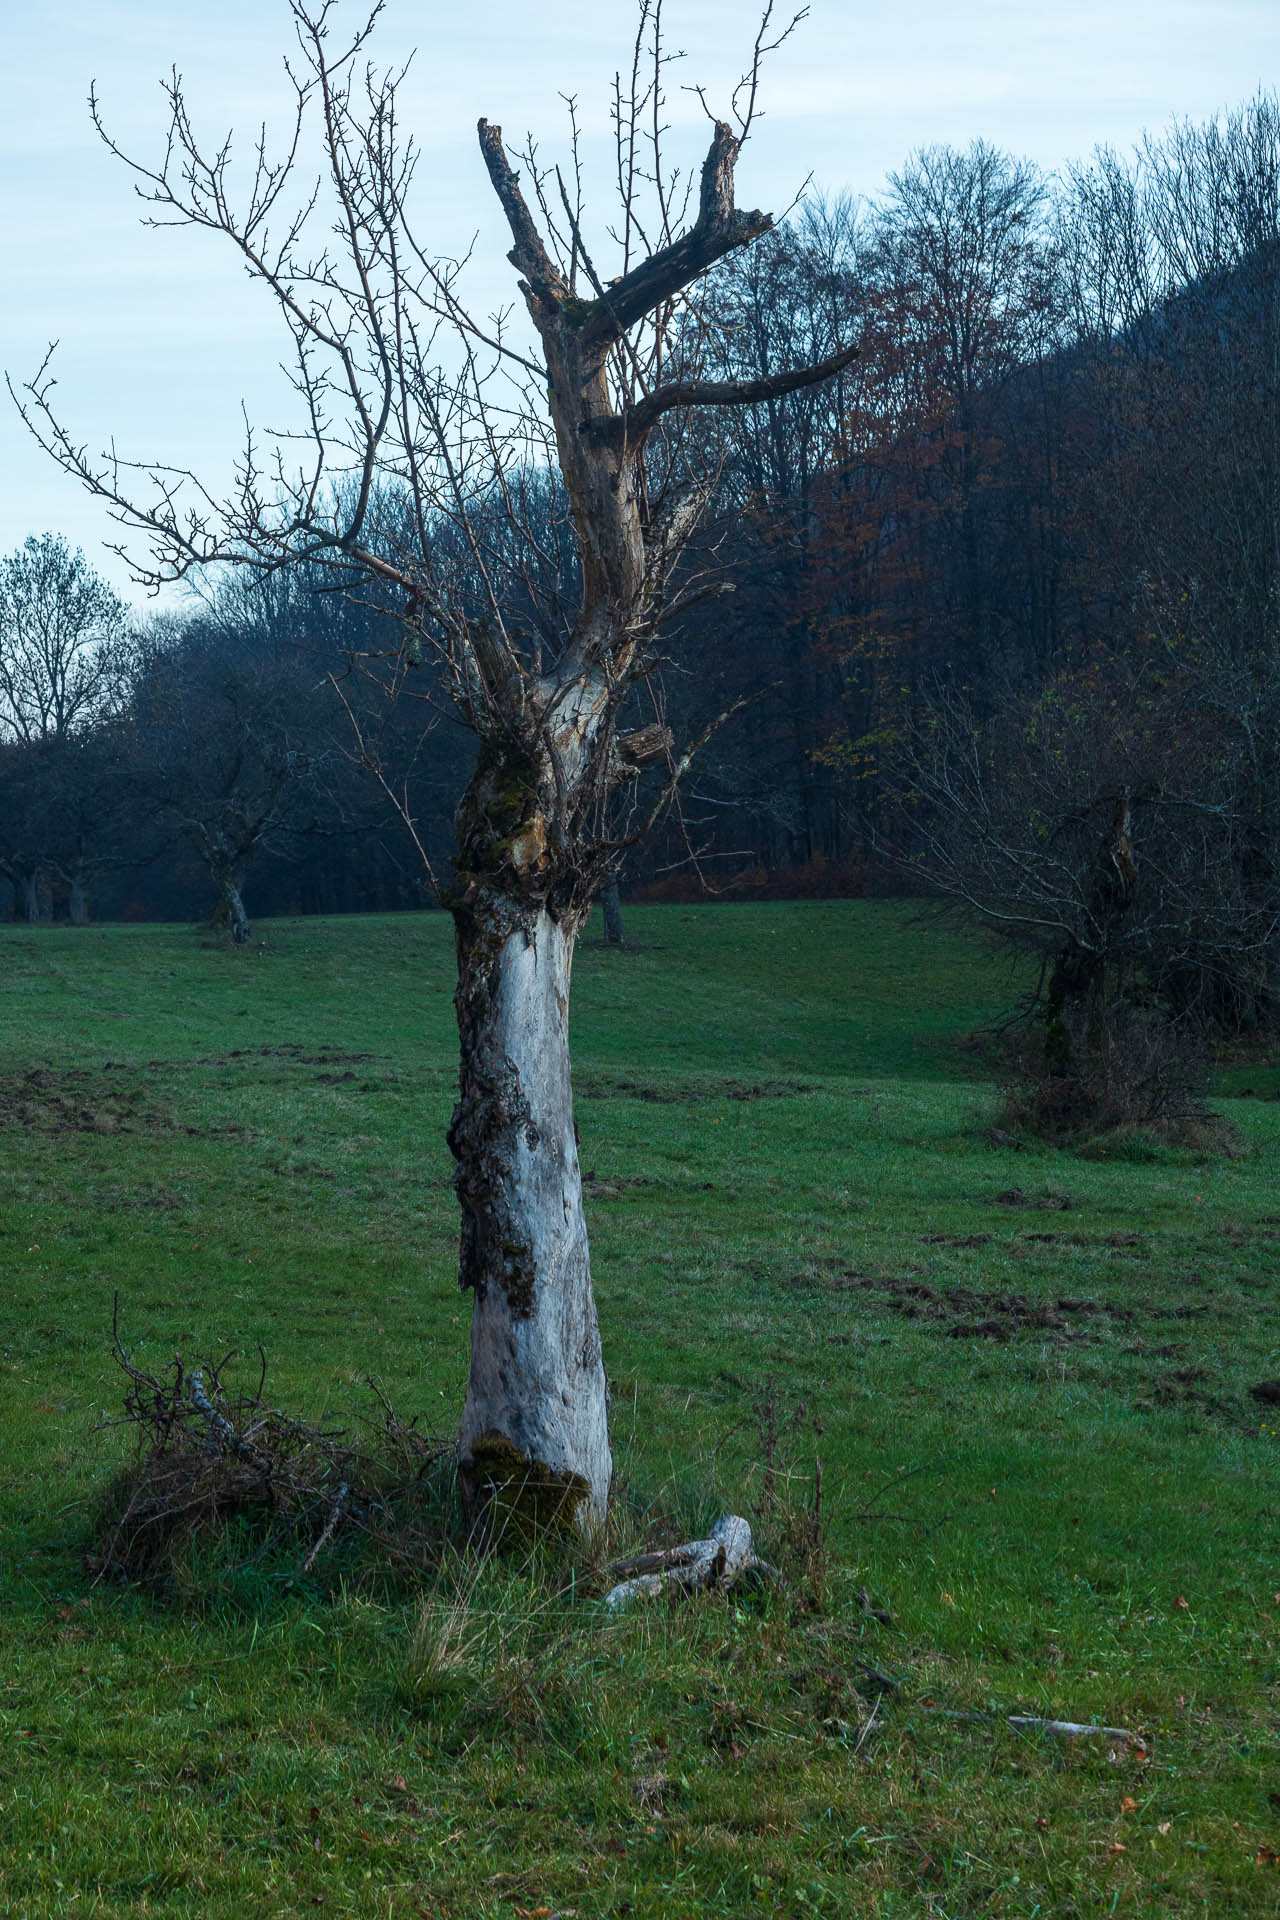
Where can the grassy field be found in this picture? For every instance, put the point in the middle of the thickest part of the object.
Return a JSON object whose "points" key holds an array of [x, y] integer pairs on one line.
{"points": [[1027, 1376]]}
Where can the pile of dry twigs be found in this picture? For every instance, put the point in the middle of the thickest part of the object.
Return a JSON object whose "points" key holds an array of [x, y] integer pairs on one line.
{"points": [[216, 1464]]}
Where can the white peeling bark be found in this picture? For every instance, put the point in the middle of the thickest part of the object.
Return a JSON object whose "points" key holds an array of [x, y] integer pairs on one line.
{"points": [[531, 854], [537, 1392]]}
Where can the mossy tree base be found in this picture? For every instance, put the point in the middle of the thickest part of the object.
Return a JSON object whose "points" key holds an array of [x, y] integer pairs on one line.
{"points": [[518, 1500]]}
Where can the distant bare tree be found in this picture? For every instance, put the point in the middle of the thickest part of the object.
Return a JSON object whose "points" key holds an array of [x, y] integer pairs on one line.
{"points": [[432, 414], [92, 818], [23, 860], [231, 752], [62, 640], [63, 668], [1094, 822]]}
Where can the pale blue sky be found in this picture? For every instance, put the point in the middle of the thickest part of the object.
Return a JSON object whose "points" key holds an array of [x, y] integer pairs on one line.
{"points": [[161, 339]]}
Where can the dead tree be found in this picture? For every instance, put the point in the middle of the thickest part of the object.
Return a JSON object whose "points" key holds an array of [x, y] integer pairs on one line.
{"points": [[432, 415]]}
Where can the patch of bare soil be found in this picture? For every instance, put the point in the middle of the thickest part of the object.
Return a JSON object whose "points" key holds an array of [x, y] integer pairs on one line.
{"points": [[966, 1313], [88, 1100], [610, 1186], [291, 1053], [322, 1057], [969, 1313], [1184, 1387], [1050, 1201], [159, 1199], [78, 1100]]}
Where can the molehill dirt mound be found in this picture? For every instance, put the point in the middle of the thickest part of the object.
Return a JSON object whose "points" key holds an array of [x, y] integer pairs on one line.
{"points": [[969, 1313], [73, 1100], [598, 1087], [108, 1100], [1060, 1320]]}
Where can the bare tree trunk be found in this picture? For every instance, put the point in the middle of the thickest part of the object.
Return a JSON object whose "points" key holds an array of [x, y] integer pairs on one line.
{"points": [[1059, 1054], [611, 902], [230, 916], [535, 1438], [29, 897], [77, 908], [1075, 1009], [1097, 1029]]}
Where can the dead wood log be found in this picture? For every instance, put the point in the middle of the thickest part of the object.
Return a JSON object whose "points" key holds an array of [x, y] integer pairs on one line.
{"points": [[1069, 1729], [1033, 1723], [712, 1564]]}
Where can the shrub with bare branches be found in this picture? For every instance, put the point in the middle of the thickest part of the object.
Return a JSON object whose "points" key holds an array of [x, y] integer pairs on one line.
{"points": [[1095, 823]]}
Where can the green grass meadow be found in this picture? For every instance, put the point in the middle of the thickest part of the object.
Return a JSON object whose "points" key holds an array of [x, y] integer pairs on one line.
{"points": [[1027, 1376]]}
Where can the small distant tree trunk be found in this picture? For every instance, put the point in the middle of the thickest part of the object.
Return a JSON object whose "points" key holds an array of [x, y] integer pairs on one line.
{"points": [[77, 906], [611, 902], [535, 1435], [1098, 1028], [1075, 1006], [230, 916], [1059, 1055], [29, 898]]}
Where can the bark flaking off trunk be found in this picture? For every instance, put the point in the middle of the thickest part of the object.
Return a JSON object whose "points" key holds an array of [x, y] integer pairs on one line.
{"points": [[531, 855], [534, 1444]]}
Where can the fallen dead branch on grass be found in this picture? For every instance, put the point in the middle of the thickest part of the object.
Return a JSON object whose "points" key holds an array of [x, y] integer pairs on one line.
{"points": [[1033, 1723], [1070, 1729], [711, 1565]]}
